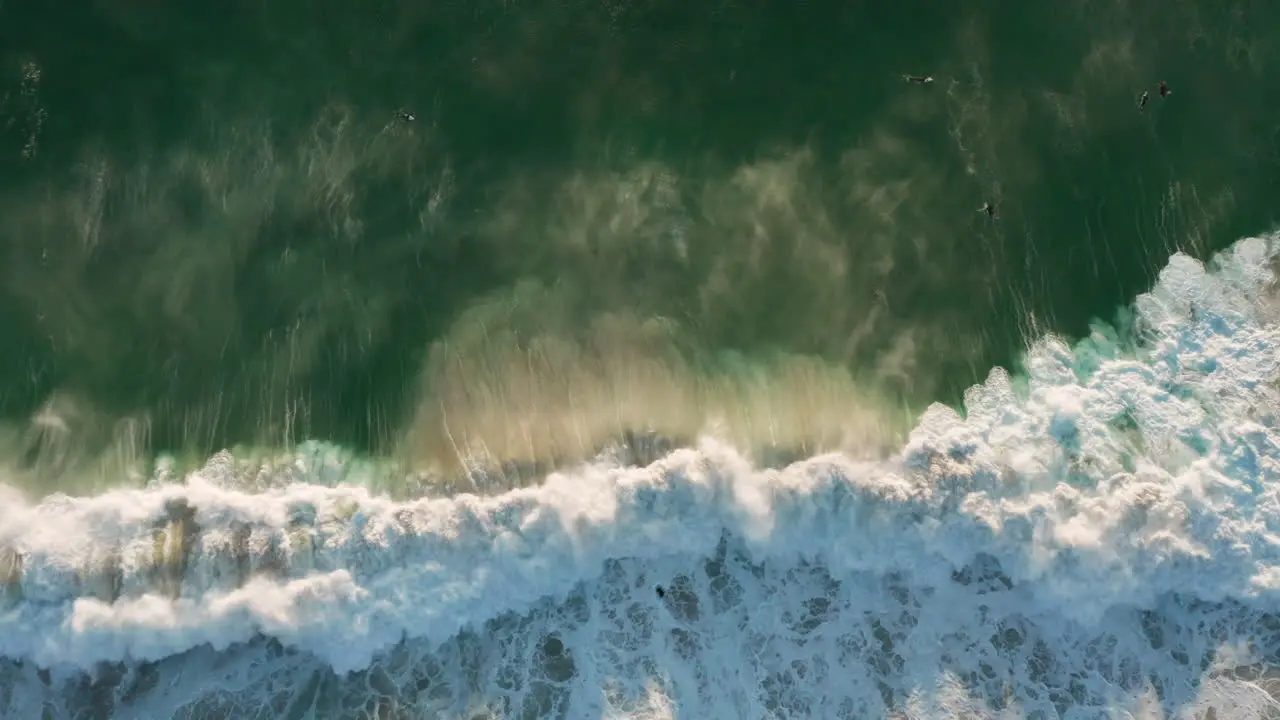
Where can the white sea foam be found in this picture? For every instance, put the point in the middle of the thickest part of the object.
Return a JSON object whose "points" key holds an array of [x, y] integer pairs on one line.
{"points": [[1101, 539]]}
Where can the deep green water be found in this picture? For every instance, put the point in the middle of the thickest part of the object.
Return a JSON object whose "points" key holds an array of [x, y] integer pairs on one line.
{"points": [[213, 225]]}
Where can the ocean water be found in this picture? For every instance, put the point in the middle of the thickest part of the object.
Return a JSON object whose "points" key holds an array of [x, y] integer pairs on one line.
{"points": [[1095, 538], [555, 359]]}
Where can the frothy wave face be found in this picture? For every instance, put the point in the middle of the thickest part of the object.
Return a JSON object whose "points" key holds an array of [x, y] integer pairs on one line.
{"points": [[1095, 537]]}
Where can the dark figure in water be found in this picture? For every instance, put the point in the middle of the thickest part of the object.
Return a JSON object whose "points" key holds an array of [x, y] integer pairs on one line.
{"points": [[406, 116], [919, 79], [661, 593], [1164, 89], [989, 209], [1142, 100]]}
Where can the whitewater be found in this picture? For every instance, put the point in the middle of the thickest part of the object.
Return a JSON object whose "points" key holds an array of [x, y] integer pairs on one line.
{"points": [[1096, 536]]}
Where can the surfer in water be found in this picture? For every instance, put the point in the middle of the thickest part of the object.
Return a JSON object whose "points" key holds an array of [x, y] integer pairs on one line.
{"points": [[918, 79], [1142, 100], [988, 208], [406, 116], [1164, 89]]}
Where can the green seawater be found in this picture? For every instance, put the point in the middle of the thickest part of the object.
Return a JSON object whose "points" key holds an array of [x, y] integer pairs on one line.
{"points": [[217, 230]]}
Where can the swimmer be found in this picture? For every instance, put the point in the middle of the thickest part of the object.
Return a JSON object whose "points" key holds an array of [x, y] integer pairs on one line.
{"points": [[989, 209], [406, 116], [1164, 89], [918, 79]]}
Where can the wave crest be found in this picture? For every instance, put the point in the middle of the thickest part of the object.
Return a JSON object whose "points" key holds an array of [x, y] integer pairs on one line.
{"points": [[1103, 486]]}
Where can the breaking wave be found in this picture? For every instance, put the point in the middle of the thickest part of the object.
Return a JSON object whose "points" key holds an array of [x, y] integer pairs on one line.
{"points": [[1098, 535]]}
